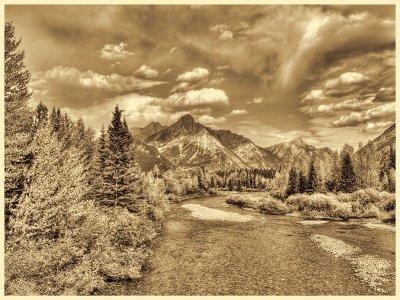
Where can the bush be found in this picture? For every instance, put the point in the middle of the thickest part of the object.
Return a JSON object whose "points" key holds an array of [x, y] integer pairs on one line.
{"points": [[264, 204], [366, 203], [104, 244]]}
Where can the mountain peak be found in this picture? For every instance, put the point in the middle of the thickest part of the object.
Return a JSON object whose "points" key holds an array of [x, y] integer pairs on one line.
{"points": [[186, 119], [299, 141], [186, 122]]}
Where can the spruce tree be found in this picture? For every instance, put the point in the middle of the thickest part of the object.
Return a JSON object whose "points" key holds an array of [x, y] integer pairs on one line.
{"points": [[392, 158], [18, 121], [292, 183], [119, 178], [302, 184], [56, 185], [312, 178], [347, 182]]}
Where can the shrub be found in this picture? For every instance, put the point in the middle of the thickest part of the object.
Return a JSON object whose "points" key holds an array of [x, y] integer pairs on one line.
{"points": [[262, 203]]}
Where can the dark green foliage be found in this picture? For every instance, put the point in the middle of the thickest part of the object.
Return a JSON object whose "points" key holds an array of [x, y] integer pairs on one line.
{"points": [[292, 184], [347, 181]]}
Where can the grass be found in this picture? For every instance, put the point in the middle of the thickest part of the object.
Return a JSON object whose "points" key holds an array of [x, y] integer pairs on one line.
{"points": [[366, 203]]}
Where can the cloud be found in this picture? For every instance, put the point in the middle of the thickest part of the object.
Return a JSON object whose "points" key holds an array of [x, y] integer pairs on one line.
{"points": [[348, 78], [173, 50], [226, 35], [182, 86], [195, 75], [256, 100], [228, 32], [377, 126], [192, 98], [221, 67], [313, 95], [146, 72], [385, 94], [138, 110], [384, 111], [210, 120], [219, 28], [238, 112], [217, 81], [69, 86], [115, 52], [329, 108]]}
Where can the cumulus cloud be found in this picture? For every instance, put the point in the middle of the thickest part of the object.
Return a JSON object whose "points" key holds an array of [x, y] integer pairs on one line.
{"points": [[138, 110], [181, 86], [217, 81], [222, 67], [226, 35], [192, 98], [258, 100], [210, 120], [195, 75], [384, 111], [329, 108], [348, 78], [255, 100], [313, 95], [115, 52], [377, 126], [219, 28], [238, 112], [385, 94], [91, 79], [146, 71], [67, 83], [228, 32]]}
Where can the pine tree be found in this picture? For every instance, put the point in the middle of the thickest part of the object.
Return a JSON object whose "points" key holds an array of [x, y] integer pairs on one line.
{"points": [[347, 182], [392, 158], [302, 184], [41, 114], [18, 121], [312, 178], [119, 177], [292, 183], [56, 184]]}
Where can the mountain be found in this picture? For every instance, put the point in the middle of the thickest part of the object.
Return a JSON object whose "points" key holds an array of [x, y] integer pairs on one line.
{"points": [[147, 157], [144, 132], [187, 143], [381, 144], [298, 154], [252, 155]]}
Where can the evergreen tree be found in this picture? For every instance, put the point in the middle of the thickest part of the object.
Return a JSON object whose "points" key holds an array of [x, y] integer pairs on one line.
{"points": [[41, 114], [56, 184], [292, 183], [302, 185], [18, 121], [312, 181], [347, 182], [392, 158], [119, 177]]}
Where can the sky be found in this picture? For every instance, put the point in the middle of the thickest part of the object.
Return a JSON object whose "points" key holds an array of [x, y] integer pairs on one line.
{"points": [[272, 73]]}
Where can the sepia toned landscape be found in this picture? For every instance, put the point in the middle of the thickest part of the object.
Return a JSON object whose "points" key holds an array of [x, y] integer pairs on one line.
{"points": [[200, 150]]}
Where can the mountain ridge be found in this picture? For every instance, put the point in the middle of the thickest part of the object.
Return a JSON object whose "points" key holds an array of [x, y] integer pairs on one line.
{"points": [[189, 143]]}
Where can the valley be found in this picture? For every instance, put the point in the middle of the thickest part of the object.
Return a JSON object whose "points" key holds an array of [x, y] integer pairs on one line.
{"points": [[266, 255]]}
